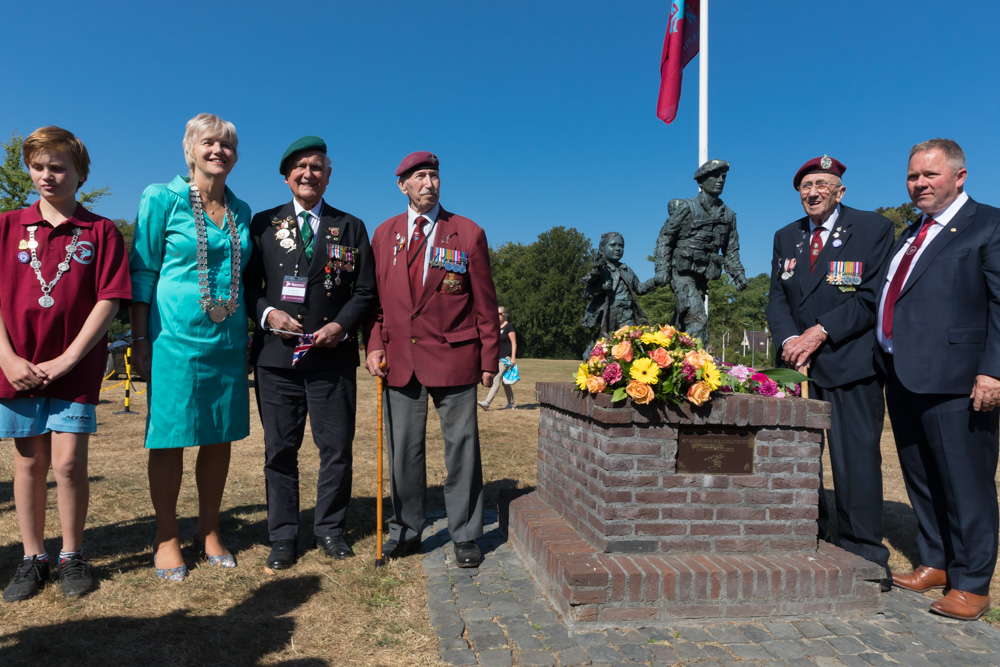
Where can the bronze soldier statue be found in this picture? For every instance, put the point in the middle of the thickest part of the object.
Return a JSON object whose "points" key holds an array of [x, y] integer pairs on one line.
{"points": [[687, 250], [612, 288]]}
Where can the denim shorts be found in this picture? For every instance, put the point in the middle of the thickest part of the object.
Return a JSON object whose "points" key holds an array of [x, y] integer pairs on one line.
{"points": [[27, 417]]}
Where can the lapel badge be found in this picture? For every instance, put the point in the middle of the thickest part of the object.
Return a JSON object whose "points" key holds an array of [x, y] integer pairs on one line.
{"points": [[837, 242], [953, 229], [23, 245], [23, 257]]}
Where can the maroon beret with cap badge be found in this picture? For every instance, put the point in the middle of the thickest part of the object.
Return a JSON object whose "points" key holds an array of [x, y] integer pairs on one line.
{"points": [[421, 159], [819, 165]]}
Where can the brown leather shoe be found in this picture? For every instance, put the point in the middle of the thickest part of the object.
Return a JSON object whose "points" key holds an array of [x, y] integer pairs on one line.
{"points": [[962, 605], [921, 579]]}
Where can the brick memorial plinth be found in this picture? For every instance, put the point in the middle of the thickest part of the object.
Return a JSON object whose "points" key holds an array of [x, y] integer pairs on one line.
{"points": [[615, 533]]}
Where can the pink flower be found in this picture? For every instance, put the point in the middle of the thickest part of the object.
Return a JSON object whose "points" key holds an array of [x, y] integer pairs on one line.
{"points": [[637, 333], [687, 341], [740, 372], [661, 357], [598, 350], [759, 377], [689, 372], [768, 388], [612, 373]]}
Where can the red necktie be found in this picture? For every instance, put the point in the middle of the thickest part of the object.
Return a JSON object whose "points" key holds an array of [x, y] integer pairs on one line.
{"points": [[815, 248], [415, 259], [898, 278]]}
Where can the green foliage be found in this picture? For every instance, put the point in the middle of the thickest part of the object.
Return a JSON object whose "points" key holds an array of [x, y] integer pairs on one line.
{"points": [[901, 216], [128, 232], [16, 188], [541, 287], [15, 183], [659, 305]]}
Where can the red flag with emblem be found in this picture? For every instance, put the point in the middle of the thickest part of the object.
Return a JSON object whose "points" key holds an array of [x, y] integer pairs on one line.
{"points": [[680, 45]]}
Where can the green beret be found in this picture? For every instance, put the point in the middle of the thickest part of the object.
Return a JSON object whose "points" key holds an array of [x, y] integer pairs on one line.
{"points": [[308, 143]]}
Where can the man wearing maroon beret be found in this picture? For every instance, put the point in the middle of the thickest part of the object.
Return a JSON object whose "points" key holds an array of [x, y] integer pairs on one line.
{"points": [[821, 311], [435, 334]]}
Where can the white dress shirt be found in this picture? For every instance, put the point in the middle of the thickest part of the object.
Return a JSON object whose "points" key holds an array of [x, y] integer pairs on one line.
{"points": [[940, 222], [429, 230]]}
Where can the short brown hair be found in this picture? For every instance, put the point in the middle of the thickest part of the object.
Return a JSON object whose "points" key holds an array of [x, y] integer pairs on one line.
{"points": [[953, 153], [52, 138]]}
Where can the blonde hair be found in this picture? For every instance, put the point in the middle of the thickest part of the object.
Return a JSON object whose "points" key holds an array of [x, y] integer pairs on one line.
{"points": [[52, 138], [205, 123]]}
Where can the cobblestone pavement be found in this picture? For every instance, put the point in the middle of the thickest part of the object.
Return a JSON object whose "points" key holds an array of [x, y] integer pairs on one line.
{"points": [[497, 617]]}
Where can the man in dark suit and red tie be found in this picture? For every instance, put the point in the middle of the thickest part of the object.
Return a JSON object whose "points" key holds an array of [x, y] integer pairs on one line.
{"points": [[821, 308], [435, 334], [311, 272], [939, 338]]}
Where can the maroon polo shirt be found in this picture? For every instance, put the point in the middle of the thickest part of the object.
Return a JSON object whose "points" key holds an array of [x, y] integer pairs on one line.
{"points": [[98, 271]]}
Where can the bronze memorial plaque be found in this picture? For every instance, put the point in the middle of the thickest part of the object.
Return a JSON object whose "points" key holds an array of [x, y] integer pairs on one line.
{"points": [[714, 451]]}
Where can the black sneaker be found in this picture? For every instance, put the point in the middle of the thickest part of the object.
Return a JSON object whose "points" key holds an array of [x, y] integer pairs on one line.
{"points": [[75, 577], [30, 577]]}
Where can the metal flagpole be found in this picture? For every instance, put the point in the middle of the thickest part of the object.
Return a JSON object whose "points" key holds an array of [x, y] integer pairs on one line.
{"points": [[703, 84], [703, 99]]}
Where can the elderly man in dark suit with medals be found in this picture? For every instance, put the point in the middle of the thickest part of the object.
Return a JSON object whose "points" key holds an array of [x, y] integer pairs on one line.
{"points": [[311, 272], [435, 334], [821, 311], [939, 340]]}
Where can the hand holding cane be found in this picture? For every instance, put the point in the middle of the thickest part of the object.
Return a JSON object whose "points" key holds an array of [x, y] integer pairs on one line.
{"points": [[379, 561]]}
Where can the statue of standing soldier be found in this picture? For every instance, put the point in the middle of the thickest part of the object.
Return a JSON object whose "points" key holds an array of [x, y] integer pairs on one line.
{"points": [[687, 249]]}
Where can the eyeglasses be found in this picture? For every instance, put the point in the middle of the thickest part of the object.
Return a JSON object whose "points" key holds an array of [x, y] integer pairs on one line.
{"points": [[822, 187]]}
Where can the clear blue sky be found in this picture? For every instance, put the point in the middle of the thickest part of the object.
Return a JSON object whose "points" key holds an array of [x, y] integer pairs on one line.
{"points": [[543, 113]]}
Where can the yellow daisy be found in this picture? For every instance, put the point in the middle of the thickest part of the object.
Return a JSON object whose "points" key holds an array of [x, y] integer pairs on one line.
{"points": [[711, 375], [645, 370], [582, 373]]}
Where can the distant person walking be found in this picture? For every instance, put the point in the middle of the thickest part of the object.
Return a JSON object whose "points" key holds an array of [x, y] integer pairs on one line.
{"points": [[508, 357], [192, 241]]}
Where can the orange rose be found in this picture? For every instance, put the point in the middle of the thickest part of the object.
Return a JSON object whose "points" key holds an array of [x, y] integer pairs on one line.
{"points": [[697, 358], [640, 392], [596, 384], [668, 331], [699, 392], [622, 351], [661, 357]]}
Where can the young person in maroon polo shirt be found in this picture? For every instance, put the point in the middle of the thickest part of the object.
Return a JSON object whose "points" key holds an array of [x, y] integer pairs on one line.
{"points": [[63, 275]]}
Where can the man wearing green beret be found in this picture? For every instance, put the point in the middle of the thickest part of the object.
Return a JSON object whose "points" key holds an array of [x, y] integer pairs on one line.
{"points": [[309, 285]]}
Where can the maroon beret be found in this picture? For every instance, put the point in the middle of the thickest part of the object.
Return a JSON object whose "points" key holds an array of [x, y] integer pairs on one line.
{"points": [[819, 165], [417, 159]]}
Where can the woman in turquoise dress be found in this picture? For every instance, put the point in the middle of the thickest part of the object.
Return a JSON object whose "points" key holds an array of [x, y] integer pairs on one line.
{"points": [[189, 328]]}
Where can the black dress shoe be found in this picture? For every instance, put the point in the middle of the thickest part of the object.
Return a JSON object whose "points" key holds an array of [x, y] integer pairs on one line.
{"points": [[282, 555], [335, 547], [467, 554], [397, 549]]}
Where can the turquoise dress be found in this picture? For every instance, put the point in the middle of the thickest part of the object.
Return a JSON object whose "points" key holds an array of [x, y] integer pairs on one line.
{"points": [[198, 394]]}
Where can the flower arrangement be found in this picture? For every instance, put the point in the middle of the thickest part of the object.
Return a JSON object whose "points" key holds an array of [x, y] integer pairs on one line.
{"points": [[659, 362]]}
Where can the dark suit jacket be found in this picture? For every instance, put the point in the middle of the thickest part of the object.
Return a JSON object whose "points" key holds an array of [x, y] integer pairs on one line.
{"points": [[802, 300], [450, 336], [946, 323], [349, 304]]}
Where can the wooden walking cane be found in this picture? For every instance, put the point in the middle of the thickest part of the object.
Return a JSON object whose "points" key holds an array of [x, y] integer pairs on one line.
{"points": [[804, 384], [379, 561]]}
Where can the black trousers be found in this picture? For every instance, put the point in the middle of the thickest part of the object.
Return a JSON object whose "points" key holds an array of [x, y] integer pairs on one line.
{"points": [[948, 453], [856, 418], [284, 398]]}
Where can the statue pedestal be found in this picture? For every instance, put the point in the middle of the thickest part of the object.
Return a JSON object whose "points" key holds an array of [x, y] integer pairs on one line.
{"points": [[634, 520]]}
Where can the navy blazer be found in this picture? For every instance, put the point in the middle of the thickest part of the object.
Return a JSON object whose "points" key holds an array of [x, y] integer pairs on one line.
{"points": [[848, 314], [946, 322], [350, 303]]}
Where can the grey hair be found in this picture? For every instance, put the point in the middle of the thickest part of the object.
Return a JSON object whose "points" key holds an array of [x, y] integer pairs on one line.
{"points": [[953, 153], [205, 123]]}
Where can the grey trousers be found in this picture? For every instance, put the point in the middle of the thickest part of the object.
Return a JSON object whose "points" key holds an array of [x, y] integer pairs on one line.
{"points": [[406, 427]]}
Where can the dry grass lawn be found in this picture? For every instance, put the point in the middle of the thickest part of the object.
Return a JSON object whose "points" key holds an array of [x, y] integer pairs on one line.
{"points": [[320, 612]]}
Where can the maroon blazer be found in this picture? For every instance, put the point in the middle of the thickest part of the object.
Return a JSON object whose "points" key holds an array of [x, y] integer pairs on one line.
{"points": [[450, 336]]}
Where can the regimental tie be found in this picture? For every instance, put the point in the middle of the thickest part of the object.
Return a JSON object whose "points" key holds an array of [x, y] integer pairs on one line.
{"points": [[307, 235], [899, 278], [815, 248], [415, 258]]}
